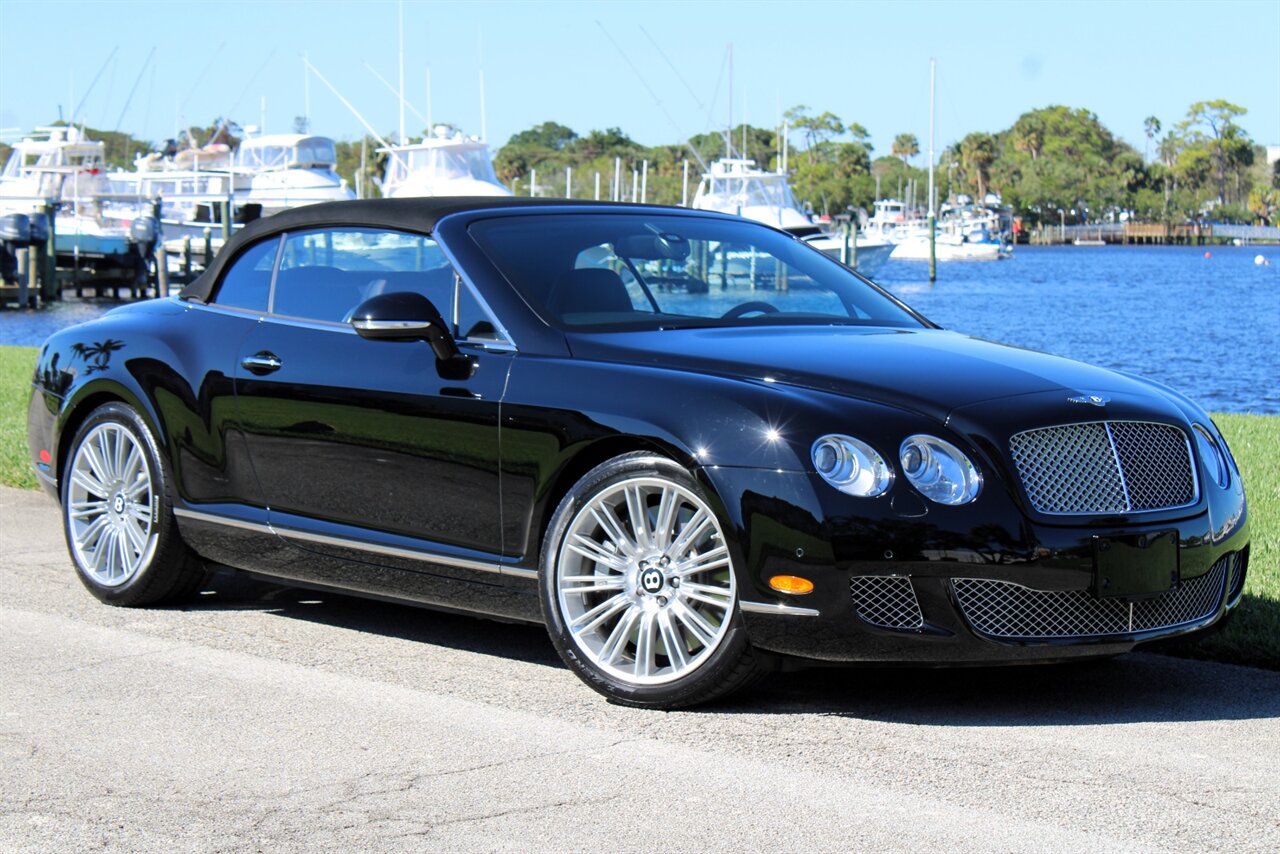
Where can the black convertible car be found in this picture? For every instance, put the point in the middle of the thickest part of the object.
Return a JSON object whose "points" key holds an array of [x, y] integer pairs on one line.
{"points": [[689, 444]]}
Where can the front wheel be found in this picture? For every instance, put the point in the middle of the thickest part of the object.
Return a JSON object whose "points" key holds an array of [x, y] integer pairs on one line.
{"points": [[117, 516], [638, 588]]}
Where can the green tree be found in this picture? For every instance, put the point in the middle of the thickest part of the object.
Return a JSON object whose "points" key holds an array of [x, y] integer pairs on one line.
{"points": [[977, 153], [817, 130], [1060, 159], [906, 146], [1264, 203], [347, 154], [1150, 127], [1211, 125], [551, 135]]}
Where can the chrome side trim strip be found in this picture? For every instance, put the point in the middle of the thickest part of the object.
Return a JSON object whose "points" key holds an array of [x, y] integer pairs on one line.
{"points": [[359, 545], [777, 609], [213, 519]]}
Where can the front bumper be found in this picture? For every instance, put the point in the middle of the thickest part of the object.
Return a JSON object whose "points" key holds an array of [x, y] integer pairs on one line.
{"points": [[970, 586]]}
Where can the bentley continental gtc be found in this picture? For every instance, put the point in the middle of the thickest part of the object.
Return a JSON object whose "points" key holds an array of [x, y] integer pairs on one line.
{"points": [[690, 445]]}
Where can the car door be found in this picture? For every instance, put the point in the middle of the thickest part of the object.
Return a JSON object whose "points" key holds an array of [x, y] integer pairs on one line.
{"points": [[368, 450]]}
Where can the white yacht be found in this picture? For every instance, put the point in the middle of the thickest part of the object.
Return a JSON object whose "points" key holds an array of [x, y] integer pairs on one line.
{"points": [[68, 169], [949, 245], [192, 185], [964, 233], [442, 164], [735, 186], [287, 170]]}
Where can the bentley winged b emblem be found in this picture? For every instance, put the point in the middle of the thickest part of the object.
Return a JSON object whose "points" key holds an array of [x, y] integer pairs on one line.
{"points": [[1095, 399]]}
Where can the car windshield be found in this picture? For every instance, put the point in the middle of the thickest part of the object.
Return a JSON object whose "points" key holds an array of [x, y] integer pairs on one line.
{"points": [[603, 272]]}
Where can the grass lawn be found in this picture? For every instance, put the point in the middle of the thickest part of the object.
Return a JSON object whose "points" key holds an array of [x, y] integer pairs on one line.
{"points": [[16, 367], [1252, 636]]}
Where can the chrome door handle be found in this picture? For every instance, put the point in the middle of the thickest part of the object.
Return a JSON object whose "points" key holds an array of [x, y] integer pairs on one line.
{"points": [[261, 363]]}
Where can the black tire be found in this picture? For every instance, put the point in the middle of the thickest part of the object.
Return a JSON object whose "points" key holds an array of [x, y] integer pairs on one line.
{"points": [[722, 667], [162, 568]]}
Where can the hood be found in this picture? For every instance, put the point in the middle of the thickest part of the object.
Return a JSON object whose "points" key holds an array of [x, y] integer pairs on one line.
{"points": [[930, 371]]}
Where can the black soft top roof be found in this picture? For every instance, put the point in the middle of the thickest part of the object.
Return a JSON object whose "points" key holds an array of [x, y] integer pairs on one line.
{"points": [[412, 214]]}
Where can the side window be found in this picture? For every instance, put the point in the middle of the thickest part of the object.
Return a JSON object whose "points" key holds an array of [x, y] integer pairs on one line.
{"points": [[603, 257], [247, 282], [325, 273]]}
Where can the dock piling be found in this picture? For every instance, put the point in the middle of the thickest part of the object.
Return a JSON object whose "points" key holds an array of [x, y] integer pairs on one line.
{"points": [[162, 270], [49, 289], [24, 274]]}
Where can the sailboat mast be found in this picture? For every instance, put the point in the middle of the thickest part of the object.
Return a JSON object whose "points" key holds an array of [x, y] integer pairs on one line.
{"points": [[306, 94], [484, 135], [728, 131], [402, 139]]}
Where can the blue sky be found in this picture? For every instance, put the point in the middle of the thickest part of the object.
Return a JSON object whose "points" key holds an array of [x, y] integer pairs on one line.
{"points": [[572, 62]]}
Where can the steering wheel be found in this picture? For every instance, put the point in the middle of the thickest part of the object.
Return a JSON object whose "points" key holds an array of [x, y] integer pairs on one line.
{"points": [[748, 307]]}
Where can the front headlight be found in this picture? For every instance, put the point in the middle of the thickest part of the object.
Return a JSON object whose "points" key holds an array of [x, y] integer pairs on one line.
{"points": [[851, 466], [939, 470], [1215, 458]]}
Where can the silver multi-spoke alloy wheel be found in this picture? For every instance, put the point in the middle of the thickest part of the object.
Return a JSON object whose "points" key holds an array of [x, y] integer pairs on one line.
{"points": [[110, 506], [644, 581]]}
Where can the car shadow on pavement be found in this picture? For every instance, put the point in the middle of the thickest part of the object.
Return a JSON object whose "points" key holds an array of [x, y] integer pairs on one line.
{"points": [[1135, 688], [228, 590]]}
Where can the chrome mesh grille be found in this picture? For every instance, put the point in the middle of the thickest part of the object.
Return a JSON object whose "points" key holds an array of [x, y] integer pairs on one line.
{"points": [[1235, 578], [1105, 467], [886, 601], [1003, 609]]}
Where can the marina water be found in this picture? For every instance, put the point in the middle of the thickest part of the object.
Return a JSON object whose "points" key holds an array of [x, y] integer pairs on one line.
{"points": [[1208, 326]]}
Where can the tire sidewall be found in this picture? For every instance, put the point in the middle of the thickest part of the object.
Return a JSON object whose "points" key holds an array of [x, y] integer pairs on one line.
{"points": [[687, 690], [163, 526]]}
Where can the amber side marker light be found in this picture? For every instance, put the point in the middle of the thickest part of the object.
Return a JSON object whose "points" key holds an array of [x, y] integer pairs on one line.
{"points": [[45, 456], [791, 584]]}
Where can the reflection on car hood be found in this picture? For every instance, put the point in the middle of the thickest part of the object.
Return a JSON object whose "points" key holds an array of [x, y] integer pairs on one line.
{"points": [[931, 371]]}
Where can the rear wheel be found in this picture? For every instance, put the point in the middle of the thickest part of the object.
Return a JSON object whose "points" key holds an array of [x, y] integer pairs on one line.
{"points": [[638, 587], [117, 514]]}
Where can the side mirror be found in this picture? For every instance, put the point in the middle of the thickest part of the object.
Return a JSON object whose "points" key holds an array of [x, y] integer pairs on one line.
{"points": [[404, 316]]}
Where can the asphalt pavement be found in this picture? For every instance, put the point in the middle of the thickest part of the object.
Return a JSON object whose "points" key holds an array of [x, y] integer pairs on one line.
{"points": [[263, 717]]}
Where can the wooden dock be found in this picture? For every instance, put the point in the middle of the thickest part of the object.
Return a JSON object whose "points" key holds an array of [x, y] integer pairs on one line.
{"points": [[1125, 234]]}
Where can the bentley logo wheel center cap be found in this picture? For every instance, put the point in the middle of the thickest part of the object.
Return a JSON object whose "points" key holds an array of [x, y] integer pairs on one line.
{"points": [[651, 581]]}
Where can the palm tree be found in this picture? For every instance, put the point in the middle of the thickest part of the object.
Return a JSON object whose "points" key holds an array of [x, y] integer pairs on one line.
{"points": [[1151, 126], [977, 153], [905, 145], [1028, 135], [1263, 203]]}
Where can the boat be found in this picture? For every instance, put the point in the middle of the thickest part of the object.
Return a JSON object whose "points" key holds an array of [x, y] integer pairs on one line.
{"points": [[735, 186], [264, 175], [191, 195], [446, 163], [964, 231], [92, 226], [288, 170], [889, 221], [948, 246]]}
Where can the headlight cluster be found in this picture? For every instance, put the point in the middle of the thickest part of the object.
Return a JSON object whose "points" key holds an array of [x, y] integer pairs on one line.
{"points": [[1213, 454], [851, 466], [937, 469]]}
